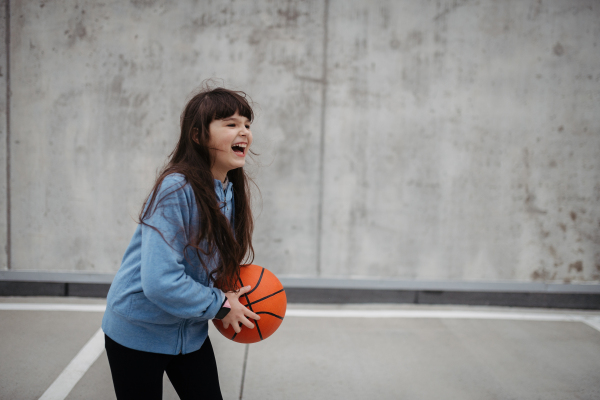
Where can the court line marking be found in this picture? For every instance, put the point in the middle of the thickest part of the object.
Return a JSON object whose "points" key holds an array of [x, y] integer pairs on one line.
{"points": [[52, 307], [592, 321], [68, 378], [457, 314]]}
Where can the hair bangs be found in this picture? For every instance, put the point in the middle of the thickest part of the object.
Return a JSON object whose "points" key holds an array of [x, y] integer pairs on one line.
{"points": [[225, 103]]}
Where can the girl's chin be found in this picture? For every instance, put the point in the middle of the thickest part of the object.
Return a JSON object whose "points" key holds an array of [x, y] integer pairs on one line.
{"points": [[238, 164]]}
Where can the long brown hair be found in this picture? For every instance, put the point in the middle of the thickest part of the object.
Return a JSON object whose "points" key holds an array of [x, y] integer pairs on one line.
{"points": [[193, 159]]}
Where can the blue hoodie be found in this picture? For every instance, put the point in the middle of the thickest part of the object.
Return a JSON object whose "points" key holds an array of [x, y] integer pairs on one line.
{"points": [[160, 300]]}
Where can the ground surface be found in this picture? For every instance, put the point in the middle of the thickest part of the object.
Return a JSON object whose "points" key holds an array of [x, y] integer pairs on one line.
{"points": [[341, 352]]}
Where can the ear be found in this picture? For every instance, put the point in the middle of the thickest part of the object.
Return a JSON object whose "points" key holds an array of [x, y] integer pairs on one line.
{"points": [[195, 135]]}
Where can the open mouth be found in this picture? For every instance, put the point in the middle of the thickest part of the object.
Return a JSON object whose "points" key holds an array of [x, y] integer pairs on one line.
{"points": [[239, 148]]}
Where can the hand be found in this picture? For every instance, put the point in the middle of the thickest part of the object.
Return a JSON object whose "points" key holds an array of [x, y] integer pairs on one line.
{"points": [[238, 312]]}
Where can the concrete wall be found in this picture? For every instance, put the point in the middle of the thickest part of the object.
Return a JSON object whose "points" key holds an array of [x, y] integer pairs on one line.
{"points": [[463, 140], [398, 139]]}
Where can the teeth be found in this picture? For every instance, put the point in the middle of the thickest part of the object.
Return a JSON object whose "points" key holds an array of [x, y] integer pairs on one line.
{"points": [[242, 145]]}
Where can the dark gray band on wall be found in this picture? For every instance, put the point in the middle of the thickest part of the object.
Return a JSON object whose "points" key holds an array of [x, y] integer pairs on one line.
{"points": [[341, 291], [512, 294], [42, 283]]}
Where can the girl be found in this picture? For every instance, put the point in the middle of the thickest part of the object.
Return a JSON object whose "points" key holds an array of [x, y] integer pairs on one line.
{"points": [[182, 264]]}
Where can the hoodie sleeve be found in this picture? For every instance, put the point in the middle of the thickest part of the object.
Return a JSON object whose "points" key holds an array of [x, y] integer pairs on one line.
{"points": [[164, 280]]}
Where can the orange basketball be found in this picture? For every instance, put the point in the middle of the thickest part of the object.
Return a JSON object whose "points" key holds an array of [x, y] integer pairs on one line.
{"points": [[265, 298]]}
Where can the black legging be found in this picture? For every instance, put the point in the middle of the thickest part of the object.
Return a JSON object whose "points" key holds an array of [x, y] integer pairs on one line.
{"points": [[139, 374]]}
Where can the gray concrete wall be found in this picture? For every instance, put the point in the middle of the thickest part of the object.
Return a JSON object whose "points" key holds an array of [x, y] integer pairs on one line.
{"points": [[428, 140], [463, 140]]}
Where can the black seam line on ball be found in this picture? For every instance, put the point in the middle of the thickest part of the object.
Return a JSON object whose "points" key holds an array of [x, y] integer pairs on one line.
{"points": [[249, 305], [257, 283], [258, 328], [266, 297], [270, 313]]}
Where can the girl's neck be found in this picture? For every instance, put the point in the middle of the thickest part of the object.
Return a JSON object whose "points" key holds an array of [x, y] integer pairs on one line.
{"points": [[220, 175]]}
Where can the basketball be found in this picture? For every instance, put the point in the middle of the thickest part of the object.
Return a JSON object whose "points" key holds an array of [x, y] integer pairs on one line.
{"points": [[265, 298]]}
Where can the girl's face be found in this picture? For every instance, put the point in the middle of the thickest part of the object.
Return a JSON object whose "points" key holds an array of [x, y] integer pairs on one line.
{"points": [[230, 139]]}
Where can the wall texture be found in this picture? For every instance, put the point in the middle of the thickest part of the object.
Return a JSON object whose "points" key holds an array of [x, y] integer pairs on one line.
{"points": [[450, 140]]}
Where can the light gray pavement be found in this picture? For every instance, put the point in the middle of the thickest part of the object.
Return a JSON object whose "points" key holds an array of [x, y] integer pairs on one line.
{"points": [[341, 357]]}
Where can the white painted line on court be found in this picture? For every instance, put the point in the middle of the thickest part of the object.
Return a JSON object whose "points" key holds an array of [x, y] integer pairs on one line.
{"points": [[433, 314], [592, 321], [78, 366], [52, 307]]}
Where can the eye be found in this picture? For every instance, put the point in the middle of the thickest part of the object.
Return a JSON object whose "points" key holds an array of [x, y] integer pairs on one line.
{"points": [[232, 125], [247, 126]]}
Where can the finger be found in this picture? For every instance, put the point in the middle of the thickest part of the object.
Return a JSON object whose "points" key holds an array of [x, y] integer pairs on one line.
{"points": [[252, 315], [247, 323], [236, 327], [225, 324], [243, 290]]}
